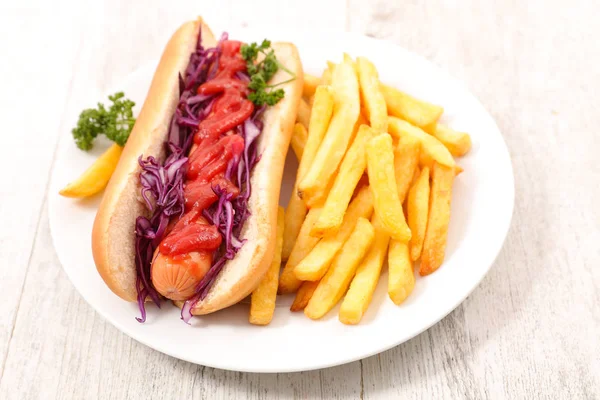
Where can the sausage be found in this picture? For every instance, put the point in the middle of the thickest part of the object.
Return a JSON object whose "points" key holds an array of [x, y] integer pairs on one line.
{"points": [[176, 277]]}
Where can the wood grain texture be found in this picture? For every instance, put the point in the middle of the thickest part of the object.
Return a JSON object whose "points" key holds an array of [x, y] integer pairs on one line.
{"points": [[530, 330]]}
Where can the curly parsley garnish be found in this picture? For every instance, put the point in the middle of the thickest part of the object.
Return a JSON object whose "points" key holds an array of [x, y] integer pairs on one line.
{"points": [[261, 72], [116, 122]]}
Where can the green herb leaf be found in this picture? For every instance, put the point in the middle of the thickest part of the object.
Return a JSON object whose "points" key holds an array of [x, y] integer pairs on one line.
{"points": [[116, 122], [260, 73]]}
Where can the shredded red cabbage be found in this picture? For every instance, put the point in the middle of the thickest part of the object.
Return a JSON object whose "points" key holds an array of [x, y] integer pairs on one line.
{"points": [[162, 185]]}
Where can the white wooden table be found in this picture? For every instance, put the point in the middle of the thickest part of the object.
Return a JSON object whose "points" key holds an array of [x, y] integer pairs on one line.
{"points": [[530, 330]]}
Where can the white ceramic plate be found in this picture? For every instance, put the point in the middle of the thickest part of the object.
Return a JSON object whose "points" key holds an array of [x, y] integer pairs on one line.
{"points": [[481, 212]]}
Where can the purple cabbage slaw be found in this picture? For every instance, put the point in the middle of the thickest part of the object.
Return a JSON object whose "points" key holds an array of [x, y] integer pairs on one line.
{"points": [[162, 185]]}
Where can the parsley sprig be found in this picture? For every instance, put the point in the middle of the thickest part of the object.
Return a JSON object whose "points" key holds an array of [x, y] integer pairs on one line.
{"points": [[261, 72], [116, 122]]}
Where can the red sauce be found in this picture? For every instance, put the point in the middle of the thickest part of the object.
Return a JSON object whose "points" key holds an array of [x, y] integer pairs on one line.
{"points": [[214, 146]]}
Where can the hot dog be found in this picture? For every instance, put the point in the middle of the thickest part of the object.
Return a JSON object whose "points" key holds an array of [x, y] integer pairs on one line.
{"points": [[190, 212]]}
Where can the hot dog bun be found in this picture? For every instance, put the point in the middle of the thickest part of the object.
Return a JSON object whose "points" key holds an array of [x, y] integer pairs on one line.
{"points": [[113, 239]]}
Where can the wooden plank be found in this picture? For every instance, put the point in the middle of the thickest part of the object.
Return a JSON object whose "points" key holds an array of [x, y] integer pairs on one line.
{"points": [[35, 91]]}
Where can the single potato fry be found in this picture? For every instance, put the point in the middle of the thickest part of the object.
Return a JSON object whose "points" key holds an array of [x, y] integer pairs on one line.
{"points": [[431, 148], [318, 200], [303, 295], [458, 143], [434, 245], [303, 115], [336, 140], [288, 283], [418, 210], [327, 73], [315, 264], [380, 167], [363, 285], [310, 85], [370, 90], [319, 121], [351, 170], [262, 301], [96, 177], [294, 218], [320, 118], [417, 112], [299, 140], [335, 283], [406, 160], [401, 276]]}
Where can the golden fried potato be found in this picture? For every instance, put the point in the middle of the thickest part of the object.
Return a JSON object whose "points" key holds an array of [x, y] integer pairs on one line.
{"points": [[417, 112], [310, 85], [303, 115], [364, 283], [335, 283], [434, 245], [401, 276], [418, 210], [336, 140], [458, 143], [288, 283], [299, 140], [351, 170], [262, 300], [406, 160], [431, 148], [96, 177], [370, 90], [319, 121], [303, 295], [380, 168], [315, 264]]}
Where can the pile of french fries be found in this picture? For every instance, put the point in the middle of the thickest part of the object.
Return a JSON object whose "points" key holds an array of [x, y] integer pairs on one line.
{"points": [[374, 180]]}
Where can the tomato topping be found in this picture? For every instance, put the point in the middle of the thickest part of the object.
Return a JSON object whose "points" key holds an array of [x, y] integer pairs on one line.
{"points": [[214, 149], [192, 237]]}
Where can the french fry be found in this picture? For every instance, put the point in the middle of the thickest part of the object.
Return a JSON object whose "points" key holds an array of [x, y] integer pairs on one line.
{"points": [[351, 170], [288, 283], [336, 140], [303, 295], [296, 209], [458, 143], [418, 210], [303, 115], [262, 300], [96, 177], [370, 90], [431, 148], [380, 167], [406, 160], [310, 85], [295, 213], [401, 276], [335, 283], [364, 283], [331, 66], [434, 245], [327, 73], [299, 140], [320, 118], [417, 112], [315, 264]]}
